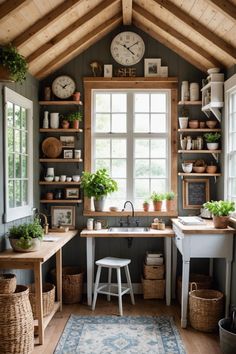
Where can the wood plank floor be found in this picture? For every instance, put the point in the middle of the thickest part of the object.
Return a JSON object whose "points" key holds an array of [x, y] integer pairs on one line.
{"points": [[195, 342]]}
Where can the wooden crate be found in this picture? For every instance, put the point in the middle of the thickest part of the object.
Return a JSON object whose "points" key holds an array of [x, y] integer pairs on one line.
{"points": [[153, 272], [153, 288]]}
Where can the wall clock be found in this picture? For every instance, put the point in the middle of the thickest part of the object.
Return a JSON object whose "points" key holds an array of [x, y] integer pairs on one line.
{"points": [[127, 48], [63, 86]]}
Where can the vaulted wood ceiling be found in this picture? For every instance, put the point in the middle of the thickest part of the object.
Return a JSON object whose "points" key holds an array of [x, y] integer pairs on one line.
{"points": [[49, 33]]}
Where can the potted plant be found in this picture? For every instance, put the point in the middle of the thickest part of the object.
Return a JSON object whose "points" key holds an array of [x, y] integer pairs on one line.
{"points": [[13, 66], [75, 118], [170, 196], [157, 199], [212, 140], [183, 118], [146, 205], [220, 210], [26, 237], [65, 122], [98, 185]]}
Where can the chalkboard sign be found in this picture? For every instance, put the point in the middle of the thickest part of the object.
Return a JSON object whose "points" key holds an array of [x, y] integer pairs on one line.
{"points": [[195, 193]]}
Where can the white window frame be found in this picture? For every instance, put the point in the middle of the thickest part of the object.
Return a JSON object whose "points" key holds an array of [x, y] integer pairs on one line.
{"points": [[26, 210]]}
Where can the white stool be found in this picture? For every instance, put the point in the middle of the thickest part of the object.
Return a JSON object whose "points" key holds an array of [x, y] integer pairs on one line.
{"points": [[117, 263]]}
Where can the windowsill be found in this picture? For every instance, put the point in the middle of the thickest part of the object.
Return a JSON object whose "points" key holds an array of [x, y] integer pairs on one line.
{"points": [[152, 213]]}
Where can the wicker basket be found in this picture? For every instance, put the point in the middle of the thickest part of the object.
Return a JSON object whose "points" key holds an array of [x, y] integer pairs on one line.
{"points": [[72, 284], [203, 282], [206, 308], [7, 283], [153, 289], [48, 298], [153, 272], [16, 322]]}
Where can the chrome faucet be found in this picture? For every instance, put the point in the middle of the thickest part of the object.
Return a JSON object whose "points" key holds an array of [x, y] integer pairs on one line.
{"points": [[132, 207], [45, 225]]}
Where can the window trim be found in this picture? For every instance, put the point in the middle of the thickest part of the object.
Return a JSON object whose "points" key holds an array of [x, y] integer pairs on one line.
{"points": [[27, 210], [91, 84]]}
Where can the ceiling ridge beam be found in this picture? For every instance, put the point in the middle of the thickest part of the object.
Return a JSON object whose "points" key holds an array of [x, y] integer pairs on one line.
{"points": [[9, 6], [70, 29], [227, 7], [169, 45], [171, 31], [95, 34], [127, 12], [43, 22], [198, 27]]}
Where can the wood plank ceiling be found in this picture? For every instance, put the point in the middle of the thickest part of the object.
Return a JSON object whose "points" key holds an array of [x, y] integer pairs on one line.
{"points": [[49, 33]]}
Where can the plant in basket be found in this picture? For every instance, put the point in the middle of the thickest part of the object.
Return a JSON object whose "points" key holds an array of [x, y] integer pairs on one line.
{"points": [[13, 66], [221, 211]]}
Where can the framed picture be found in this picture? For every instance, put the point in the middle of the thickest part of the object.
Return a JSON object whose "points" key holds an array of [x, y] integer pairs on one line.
{"points": [[195, 192], [152, 67], [72, 193], [63, 216], [108, 70], [68, 154], [67, 141]]}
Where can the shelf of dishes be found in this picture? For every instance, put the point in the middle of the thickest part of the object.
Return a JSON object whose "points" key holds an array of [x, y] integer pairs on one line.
{"points": [[60, 160], [60, 130], [60, 103], [197, 130], [71, 183], [64, 201], [199, 151]]}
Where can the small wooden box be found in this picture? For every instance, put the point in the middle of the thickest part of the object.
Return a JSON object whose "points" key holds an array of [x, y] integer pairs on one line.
{"points": [[153, 289], [153, 271]]}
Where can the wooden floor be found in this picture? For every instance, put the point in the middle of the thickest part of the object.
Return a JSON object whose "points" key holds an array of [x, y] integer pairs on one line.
{"points": [[195, 342]]}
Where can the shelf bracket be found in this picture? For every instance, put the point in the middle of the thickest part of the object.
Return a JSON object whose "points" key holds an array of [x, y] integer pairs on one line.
{"points": [[215, 111], [216, 156]]}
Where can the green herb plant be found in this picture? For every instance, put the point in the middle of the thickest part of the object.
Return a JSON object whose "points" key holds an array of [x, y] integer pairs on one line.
{"points": [[74, 116], [220, 208], [14, 62], [25, 233], [212, 137], [170, 196], [157, 197]]}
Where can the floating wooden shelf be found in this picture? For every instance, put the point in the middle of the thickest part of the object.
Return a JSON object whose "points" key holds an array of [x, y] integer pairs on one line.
{"points": [[199, 174], [59, 183], [60, 201], [60, 103], [190, 103], [60, 130], [60, 160], [189, 130], [137, 213], [199, 151]]}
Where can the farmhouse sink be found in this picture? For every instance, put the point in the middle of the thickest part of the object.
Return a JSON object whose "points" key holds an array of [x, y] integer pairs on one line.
{"points": [[128, 229]]}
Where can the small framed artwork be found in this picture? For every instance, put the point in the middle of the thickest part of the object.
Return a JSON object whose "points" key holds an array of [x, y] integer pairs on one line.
{"points": [[108, 70], [68, 154], [163, 72], [72, 193], [63, 216], [195, 192], [152, 67], [67, 141]]}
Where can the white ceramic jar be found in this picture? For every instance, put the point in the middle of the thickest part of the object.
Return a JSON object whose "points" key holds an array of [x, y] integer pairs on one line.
{"points": [[45, 120], [54, 120], [194, 91], [184, 91], [90, 224]]}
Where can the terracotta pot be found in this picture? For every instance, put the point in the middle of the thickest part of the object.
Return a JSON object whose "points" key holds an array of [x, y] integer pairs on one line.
{"points": [[221, 222], [76, 96], [5, 75], [211, 169], [76, 124], [157, 205], [146, 206], [170, 205], [65, 124], [193, 124]]}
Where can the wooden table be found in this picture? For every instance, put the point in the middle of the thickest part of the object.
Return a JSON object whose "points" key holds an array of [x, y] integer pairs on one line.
{"points": [[167, 234], [202, 241], [34, 260]]}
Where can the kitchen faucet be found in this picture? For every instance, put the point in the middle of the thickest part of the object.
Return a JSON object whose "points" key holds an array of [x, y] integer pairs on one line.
{"points": [[45, 225], [128, 216]]}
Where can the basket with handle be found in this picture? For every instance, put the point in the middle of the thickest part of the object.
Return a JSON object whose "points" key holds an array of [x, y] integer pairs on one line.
{"points": [[7, 283], [48, 298]]}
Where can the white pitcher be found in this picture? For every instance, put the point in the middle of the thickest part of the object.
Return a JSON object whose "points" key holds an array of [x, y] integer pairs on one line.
{"points": [[54, 120]]}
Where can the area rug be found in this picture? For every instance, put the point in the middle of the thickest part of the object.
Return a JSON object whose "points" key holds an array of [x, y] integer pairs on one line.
{"points": [[116, 335]]}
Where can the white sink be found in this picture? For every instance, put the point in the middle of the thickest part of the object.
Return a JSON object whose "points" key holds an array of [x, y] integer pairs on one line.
{"points": [[128, 229]]}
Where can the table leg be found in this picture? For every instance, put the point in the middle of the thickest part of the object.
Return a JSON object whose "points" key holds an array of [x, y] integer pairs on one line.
{"points": [[59, 276], [90, 244], [39, 300], [227, 286], [167, 243], [185, 290], [174, 268]]}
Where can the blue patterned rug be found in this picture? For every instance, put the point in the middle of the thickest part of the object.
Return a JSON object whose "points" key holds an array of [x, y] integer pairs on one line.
{"points": [[123, 335]]}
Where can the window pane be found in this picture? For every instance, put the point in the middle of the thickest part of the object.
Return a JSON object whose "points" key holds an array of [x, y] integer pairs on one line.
{"points": [[10, 165], [158, 168], [10, 114], [17, 166], [24, 193], [102, 163], [102, 148], [24, 166], [121, 193], [141, 168], [118, 148], [158, 148], [18, 193], [158, 185], [10, 140], [158, 123], [141, 102], [141, 188], [11, 193], [17, 141], [102, 102], [23, 142], [119, 102], [102, 123], [118, 168], [17, 117], [158, 102], [119, 123], [141, 148], [141, 123], [23, 118]]}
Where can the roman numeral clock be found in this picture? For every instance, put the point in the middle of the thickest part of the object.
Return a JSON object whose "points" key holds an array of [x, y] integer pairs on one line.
{"points": [[127, 48]]}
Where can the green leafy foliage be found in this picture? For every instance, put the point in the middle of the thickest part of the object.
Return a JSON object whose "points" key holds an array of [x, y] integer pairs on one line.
{"points": [[170, 196], [26, 232], [220, 208], [74, 116], [212, 137], [157, 197], [98, 184], [14, 62]]}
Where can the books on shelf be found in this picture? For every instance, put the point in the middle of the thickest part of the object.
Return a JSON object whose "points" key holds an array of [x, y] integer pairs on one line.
{"points": [[153, 258]]}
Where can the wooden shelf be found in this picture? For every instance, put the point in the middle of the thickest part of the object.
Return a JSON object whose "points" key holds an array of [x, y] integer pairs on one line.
{"points": [[189, 103], [59, 201], [59, 183], [137, 213], [60, 130], [199, 151], [189, 130], [60, 160], [60, 103], [199, 174]]}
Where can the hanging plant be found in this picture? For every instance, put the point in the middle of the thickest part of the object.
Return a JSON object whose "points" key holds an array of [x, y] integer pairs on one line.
{"points": [[13, 62]]}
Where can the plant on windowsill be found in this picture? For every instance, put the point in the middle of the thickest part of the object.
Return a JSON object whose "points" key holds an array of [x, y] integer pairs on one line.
{"points": [[212, 140], [13, 66], [157, 199], [221, 211], [146, 205], [74, 118], [97, 186], [26, 237], [169, 197]]}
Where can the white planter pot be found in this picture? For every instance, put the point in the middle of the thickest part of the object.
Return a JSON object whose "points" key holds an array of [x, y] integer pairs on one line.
{"points": [[183, 122], [212, 146]]}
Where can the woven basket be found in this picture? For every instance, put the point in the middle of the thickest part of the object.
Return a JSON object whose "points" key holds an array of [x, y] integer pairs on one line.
{"points": [[153, 272], [7, 283], [206, 308], [203, 282], [153, 289], [16, 322], [48, 298], [72, 284]]}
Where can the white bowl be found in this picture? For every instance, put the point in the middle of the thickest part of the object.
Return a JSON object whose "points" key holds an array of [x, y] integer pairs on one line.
{"points": [[68, 179], [49, 178], [76, 178], [187, 167], [213, 70]]}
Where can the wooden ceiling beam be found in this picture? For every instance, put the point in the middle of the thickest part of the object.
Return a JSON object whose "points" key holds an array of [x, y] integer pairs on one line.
{"points": [[44, 22], [80, 46], [9, 6], [144, 27], [70, 29], [197, 26], [227, 7], [127, 12], [170, 30]]}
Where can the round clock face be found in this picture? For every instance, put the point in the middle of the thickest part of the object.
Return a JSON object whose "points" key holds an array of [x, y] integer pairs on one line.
{"points": [[63, 86], [127, 48]]}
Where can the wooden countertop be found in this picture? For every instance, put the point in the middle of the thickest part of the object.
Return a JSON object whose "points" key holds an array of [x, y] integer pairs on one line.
{"points": [[168, 232], [207, 227]]}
